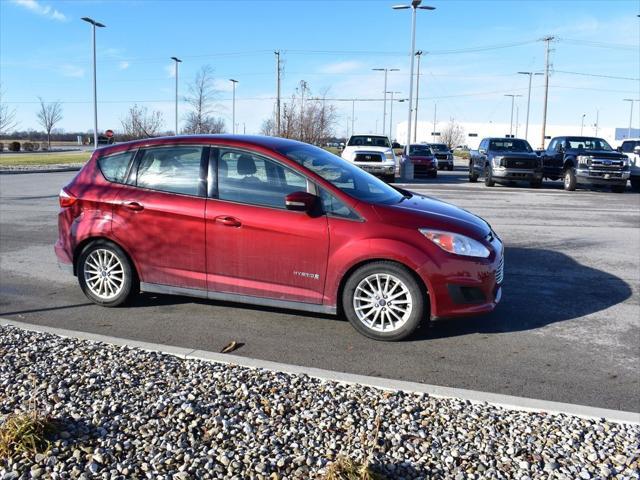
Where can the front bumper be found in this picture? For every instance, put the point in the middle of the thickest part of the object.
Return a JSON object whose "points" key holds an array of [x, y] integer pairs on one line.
{"points": [[385, 168], [515, 174], [595, 176]]}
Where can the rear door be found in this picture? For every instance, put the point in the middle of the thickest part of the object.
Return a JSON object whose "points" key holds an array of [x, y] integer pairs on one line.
{"points": [[255, 246], [159, 215]]}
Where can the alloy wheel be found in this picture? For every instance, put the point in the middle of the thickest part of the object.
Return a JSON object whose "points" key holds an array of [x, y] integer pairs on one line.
{"points": [[382, 302]]}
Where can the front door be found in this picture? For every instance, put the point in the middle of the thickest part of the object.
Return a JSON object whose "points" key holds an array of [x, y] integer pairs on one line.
{"points": [[255, 246], [159, 216]]}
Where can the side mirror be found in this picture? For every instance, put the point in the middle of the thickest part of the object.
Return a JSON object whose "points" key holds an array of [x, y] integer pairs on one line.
{"points": [[301, 202], [619, 149]]}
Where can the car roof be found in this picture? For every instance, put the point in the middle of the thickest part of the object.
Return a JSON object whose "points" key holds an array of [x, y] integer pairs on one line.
{"points": [[631, 140], [504, 138], [272, 143]]}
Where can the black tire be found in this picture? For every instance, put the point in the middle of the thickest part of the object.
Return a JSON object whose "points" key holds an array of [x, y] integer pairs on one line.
{"points": [[450, 168], [488, 177], [569, 179], [129, 283], [418, 311], [433, 174], [618, 188], [635, 183], [536, 183]]}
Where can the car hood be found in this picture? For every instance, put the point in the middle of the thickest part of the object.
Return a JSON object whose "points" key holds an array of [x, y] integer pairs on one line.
{"points": [[514, 154], [420, 211], [595, 153]]}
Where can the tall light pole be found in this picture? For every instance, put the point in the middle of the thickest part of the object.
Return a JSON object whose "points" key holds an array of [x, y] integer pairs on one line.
{"points": [[435, 117], [391, 116], [353, 114], [95, 89], [277, 53], [526, 128], [546, 88], [582, 124], [233, 111], [630, 100], [384, 103], [512, 102], [415, 5], [415, 123], [177, 61]]}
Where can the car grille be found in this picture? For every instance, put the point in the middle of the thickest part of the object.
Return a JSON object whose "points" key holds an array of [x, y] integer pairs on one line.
{"points": [[368, 157], [442, 156], [528, 163], [500, 271], [605, 164]]}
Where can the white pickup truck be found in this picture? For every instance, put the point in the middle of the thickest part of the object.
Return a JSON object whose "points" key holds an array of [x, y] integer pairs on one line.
{"points": [[373, 154], [631, 148]]}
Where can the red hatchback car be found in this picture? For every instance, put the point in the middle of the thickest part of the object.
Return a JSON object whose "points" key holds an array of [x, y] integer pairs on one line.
{"points": [[272, 222]]}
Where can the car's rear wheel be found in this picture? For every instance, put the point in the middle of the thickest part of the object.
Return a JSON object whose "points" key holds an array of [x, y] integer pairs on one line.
{"points": [[570, 181], [105, 274], [383, 301]]}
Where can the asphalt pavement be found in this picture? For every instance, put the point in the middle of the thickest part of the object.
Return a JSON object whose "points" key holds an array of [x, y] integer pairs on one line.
{"points": [[567, 330]]}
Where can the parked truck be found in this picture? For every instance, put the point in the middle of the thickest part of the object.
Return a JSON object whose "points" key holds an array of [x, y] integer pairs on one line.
{"points": [[585, 161], [502, 160], [631, 148]]}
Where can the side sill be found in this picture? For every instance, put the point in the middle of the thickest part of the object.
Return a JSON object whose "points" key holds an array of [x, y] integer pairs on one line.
{"points": [[232, 297]]}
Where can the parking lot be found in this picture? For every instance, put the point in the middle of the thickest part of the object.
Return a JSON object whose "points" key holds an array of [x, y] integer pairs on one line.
{"points": [[567, 328]]}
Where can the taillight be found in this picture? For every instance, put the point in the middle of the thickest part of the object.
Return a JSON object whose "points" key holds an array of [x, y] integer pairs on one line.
{"points": [[66, 199]]}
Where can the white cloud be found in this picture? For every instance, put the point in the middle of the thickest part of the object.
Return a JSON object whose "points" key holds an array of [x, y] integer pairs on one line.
{"points": [[41, 9], [341, 67], [73, 71], [223, 85], [123, 65]]}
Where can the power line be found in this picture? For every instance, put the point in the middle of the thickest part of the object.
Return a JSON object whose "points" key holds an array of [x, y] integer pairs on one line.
{"points": [[597, 75], [591, 43]]}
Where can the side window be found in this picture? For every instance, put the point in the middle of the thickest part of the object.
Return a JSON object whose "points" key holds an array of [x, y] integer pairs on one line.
{"points": [[332, 206], [249, 178], [553, 145], [114, 167], [171, 169]]}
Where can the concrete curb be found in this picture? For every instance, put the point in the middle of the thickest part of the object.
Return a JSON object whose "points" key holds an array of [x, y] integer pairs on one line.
{"points": [[505, 401], [39, 170]]}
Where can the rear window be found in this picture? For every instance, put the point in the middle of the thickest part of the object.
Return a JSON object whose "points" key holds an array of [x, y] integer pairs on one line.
{"points": [[506, 145], [114, 167], [369, 141], [439, 147], [629, 145]]}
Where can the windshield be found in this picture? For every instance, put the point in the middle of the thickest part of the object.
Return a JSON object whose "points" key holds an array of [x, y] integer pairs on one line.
{"points": [[507, 145], [586, 143], [439, 147], [418, 150], [369, 141], [630, 145], [347, 177]]}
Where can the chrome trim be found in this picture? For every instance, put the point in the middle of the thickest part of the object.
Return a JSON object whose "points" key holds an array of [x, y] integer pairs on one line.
{"points": [[233, 297]]}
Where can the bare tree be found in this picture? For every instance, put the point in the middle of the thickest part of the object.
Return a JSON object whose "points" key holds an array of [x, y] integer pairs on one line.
{"points": [[48, 115], [453, 134], [7, 116], [140, 123], [304, 117], [201, 97]]}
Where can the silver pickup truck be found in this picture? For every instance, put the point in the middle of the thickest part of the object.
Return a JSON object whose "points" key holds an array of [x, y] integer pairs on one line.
{"points": [[504, 160]]}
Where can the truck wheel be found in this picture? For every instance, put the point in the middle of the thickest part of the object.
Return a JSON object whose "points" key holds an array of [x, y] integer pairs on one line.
{"points": [[488, 178], [635, 183], [433, 174], [450, 168], [383, 301], [536, 183], [618, 188], [570, 179]]}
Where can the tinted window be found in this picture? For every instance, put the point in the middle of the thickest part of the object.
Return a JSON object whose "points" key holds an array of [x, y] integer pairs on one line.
{"points": [[171, 169], [114, 167], [507, 145], [248, 178], [628, 146], [439, 147], [333, 206], [369, 141], [419, 150], [347, 177], [586, 143]]}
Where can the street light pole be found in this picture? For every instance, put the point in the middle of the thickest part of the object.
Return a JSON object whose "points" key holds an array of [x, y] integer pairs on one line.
{"points": [[415, 123], [233, 115], [512, 102], [384, 107], [526, 128], [177, 61], [415, 5], [546, 89], [353, 113], [630, 100], [582, 124], [95, 89], [391, 116]]}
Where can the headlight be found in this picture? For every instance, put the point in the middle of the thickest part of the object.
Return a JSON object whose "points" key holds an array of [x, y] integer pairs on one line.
{"points": [[584, 160], [497, 161], [456, 243], [389, 154]]}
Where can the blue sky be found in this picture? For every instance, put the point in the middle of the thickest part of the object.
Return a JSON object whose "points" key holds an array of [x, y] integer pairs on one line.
{"points": [[45, 51]]}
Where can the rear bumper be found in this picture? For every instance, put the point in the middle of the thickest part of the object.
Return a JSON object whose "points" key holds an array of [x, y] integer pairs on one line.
{"points": [[65, 262]]}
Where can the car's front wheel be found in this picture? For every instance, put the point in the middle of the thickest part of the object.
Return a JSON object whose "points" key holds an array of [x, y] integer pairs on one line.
{"points": [[488, 177], [384, 301], [570, 180], [450, 168], [105, 274]]}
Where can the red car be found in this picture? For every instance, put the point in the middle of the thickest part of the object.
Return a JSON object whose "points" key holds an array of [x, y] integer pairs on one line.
{"points": [[425, 164], [272, 222]]}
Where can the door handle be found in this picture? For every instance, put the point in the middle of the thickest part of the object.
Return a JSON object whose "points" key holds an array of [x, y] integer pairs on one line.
{"points": [[135, 206], [228, 221]]}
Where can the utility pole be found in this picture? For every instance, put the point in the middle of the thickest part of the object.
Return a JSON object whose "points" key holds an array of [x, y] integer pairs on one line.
{"points": [[511, 122], [391, 116], [582, 124], [353, 110], [303, 87], [630, 100], [546, 88], [177, 61], [517, 121], [95, 88], [277, 53], [233, 118], [384, 107], [597, 120], [435, 113], [415, 123], [526, 128]]}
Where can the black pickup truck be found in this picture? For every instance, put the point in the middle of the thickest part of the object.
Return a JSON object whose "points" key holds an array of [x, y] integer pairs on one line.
{"points": [[585, 161], [501, 160]]}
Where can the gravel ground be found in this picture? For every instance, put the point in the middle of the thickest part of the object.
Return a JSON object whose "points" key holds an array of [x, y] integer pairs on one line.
{"points": [[128, 413]]}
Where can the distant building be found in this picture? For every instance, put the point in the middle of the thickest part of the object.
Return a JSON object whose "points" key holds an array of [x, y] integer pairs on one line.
{"points": [[475, 132]]}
